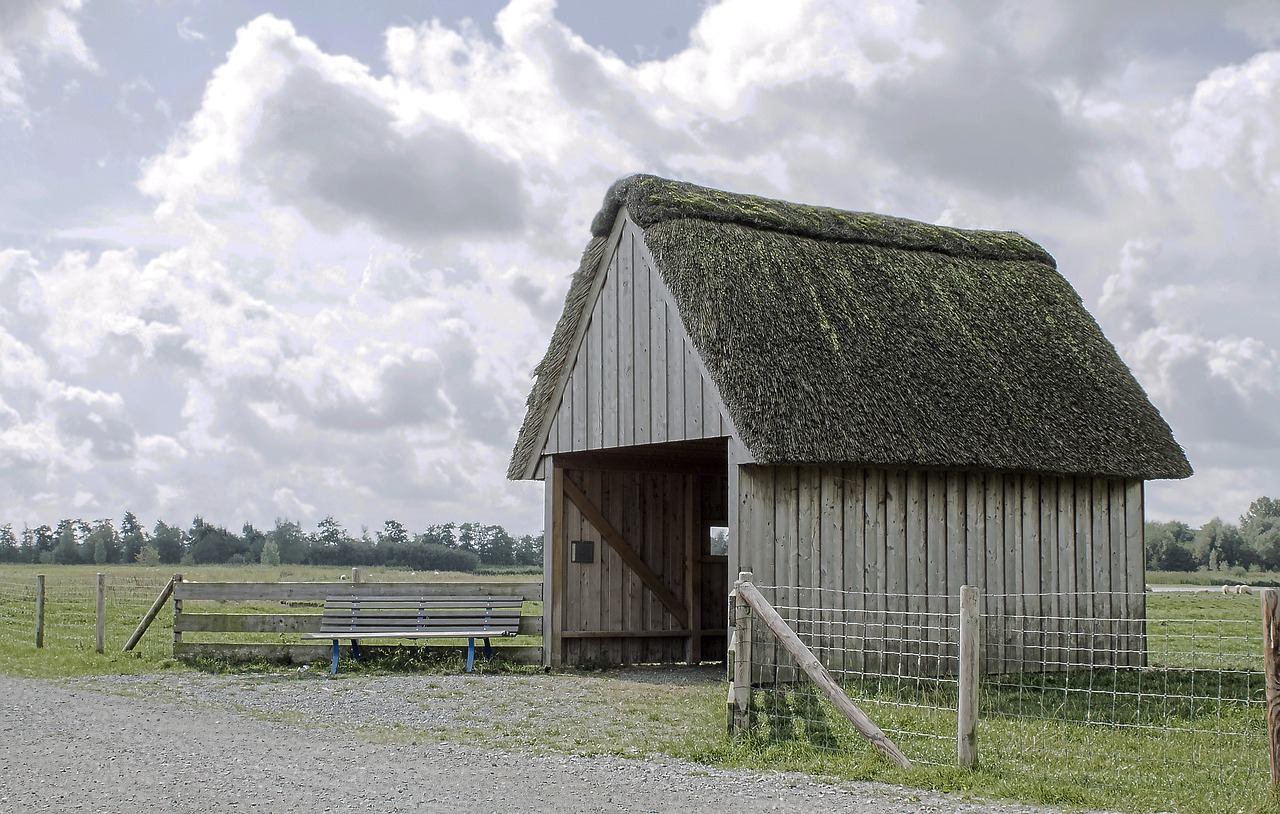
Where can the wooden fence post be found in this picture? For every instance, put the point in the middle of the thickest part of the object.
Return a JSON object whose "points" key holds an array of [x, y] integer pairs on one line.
{"points": [[100, 626], [177, 611], [356, 579], [39, 610], [740, 612], [1271, 671], [967, 677]]}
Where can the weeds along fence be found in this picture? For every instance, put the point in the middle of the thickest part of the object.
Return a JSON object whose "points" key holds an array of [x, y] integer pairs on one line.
{"points": [[1166, 692], [226, 621], [69, 614]]}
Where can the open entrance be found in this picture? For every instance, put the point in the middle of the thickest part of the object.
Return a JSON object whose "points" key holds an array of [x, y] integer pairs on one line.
{"points": [[636, 574]]}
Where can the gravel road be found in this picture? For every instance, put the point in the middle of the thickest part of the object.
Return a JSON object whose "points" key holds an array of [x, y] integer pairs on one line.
{"points": [[192, 742]]}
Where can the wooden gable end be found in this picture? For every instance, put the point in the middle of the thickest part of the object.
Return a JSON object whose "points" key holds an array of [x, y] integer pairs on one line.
{"points": [[635, 376]]}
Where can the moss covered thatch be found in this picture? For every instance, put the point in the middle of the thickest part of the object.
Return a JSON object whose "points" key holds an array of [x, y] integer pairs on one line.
{"points": [[850, 337]]}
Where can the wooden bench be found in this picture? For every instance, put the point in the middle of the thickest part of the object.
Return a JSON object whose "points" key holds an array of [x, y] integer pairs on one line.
{"points": [[418, 617]]}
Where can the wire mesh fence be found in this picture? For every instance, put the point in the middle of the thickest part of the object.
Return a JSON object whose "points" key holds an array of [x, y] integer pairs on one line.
{"points": [[70, 612], [1138, 693]]}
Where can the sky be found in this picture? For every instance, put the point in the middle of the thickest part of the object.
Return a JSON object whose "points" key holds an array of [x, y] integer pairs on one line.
{"points": [[264, 260]]}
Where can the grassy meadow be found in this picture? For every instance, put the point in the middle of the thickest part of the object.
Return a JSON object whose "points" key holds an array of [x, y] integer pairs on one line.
{"points": [[1185, 734]]}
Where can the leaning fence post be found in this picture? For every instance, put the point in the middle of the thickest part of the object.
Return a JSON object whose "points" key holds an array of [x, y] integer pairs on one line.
{"points": [[39, 610], [100, 626], [740, 715], [355, 576], [1271, 671], [967, 675]]}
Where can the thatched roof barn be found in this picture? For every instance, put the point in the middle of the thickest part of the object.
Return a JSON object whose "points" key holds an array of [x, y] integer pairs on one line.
{"points": [[783, 353]]}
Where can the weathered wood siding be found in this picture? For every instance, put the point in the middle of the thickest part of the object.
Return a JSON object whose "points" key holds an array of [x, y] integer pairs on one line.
{"points": [[610, 615], [1058, 559], [636, 377]]}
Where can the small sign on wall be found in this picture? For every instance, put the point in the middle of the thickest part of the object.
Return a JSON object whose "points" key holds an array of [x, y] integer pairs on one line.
{"points": [[582, 551]]}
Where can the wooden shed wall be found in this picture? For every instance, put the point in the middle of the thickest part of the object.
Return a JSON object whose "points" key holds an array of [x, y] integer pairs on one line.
{"points": [[636, 378], [894, 546], [609, 615]]}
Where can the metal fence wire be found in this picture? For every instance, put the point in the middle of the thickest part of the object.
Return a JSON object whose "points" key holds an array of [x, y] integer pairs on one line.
{"points": [[1123, 691], [70, 616]]}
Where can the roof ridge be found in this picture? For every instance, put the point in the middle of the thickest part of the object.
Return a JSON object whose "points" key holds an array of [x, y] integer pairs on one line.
{"points": [[651, 200]]}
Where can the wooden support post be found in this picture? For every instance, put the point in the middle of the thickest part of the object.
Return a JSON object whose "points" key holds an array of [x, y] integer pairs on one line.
{"points": [[967, 705], [100, 627], [39, 610], [818, 674], [177, 611], [693, 567], [554, 637], [356, 579], [1271, 672], [740, 689], [149, 617]]}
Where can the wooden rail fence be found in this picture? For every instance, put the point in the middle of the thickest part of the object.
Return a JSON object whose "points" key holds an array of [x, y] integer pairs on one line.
{"points": [[200, 619]]}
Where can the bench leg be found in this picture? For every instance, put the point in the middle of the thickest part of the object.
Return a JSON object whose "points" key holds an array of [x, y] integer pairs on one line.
{"points": [[333, 668], [355, 649], [471, 653], [488, 651]]}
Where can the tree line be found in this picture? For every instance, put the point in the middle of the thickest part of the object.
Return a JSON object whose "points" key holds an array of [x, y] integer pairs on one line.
{"points": [[1218, 546], [441, 547]]}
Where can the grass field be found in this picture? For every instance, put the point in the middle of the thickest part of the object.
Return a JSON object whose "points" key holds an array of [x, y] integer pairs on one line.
{"points": [[1186, 734]]}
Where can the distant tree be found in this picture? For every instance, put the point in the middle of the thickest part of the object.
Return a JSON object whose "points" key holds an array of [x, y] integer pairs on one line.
{"points": [[209, 544], [442, 534], [8, 544], [290, 540], [147, 556], [254, 541], [132, 537], [270, 553], [468, 536], [44, 540], [66, 551], [103, 542], [1260, 526], [1170, 546], [1220, 544], [495, 546], [167, 541], [392, 534], [528, 550], [329, 533]]}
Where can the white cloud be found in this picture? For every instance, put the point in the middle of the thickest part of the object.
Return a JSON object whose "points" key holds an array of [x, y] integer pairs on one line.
{"points": [[42, 30]]}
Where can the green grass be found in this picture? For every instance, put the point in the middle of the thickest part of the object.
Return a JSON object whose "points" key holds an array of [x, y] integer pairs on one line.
{"points": [[1128, 740], [1215, 579]]}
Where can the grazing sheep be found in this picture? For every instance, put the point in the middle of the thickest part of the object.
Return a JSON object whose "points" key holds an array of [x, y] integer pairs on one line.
{"points": [[1149, 589], [345, 577], [1226, 589], [1243, 589]]}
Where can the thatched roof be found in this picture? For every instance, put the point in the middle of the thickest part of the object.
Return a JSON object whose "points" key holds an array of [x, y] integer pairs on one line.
{"points": [[850, 337]]}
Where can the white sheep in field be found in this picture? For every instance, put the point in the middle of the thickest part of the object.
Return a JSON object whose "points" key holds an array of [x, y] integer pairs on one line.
{"points": [[344, 578], [1226, 589], [1243, 589]]}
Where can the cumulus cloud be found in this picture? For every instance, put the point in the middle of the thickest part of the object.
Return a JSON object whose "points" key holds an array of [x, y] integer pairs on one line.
{"points": [[40, 30]]}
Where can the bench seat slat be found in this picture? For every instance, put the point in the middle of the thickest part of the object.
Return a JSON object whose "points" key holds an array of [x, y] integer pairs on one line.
{"points": [[443, 633]]}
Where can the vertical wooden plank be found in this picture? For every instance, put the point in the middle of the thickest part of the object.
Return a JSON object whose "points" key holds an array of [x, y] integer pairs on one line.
{"points": [[579, 383], [1135, 547], [710, 408], [1049, 602], [831, 563], [658, 363], [1102, 643], [808, 557], [609, 369], [615, 506], [673, 574], [967, 678], [1118, 606], [1033, 654], [916, 605], [693, 396], [1016, 605], [975, 515], [956, 545], [785, 513], [640, 334], [594, 345], [997, 625], [875, 581], [855, 558], [564, 420], [626, 343], [1066, 571], [1084, 572], [895, 558], [675, 376], [936, 561]]}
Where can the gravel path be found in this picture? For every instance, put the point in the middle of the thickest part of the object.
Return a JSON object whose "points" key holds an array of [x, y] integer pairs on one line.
{"points": [[199, 743]]}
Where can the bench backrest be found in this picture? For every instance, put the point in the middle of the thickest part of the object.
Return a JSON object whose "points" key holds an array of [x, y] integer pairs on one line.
{"points": [[421, 614]]}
